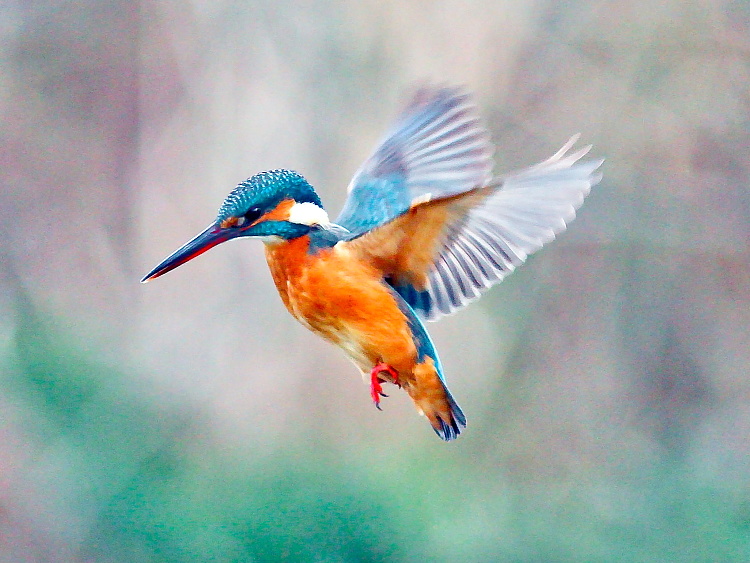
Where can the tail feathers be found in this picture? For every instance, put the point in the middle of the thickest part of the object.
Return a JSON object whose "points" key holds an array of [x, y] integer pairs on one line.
{"points": [[457, 423], [433, 399], [427, 389]]}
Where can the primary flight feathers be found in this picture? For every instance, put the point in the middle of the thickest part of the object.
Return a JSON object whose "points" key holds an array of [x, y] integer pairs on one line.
{"points": [[427, 212]]}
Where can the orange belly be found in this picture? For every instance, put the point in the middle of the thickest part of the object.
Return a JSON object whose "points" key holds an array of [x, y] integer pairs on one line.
{"points": [[346, 302]]}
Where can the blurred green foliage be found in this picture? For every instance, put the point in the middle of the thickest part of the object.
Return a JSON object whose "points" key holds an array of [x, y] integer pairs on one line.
{"points": [[146, 483], [155, 489]]}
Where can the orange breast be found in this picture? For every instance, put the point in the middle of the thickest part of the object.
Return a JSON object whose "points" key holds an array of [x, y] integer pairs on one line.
{"points": [[345, 301]]}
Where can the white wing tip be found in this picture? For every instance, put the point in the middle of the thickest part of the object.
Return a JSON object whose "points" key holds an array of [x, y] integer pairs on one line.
{"points": [[566, 147], [569, 159]]}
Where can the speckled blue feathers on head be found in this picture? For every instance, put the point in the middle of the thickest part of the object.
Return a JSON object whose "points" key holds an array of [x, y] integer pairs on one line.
{"points": [[266, 190]]}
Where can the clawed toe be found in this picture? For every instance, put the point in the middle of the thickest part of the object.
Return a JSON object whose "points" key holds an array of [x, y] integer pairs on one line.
{"points": [[376, 389]]}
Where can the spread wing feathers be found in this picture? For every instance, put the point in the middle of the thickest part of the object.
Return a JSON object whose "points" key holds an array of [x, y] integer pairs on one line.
{"points": [[436, 149], [404, 249], [528, 210]]}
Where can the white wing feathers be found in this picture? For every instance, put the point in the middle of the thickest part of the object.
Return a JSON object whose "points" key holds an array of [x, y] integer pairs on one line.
{"points": [[528, 210]]}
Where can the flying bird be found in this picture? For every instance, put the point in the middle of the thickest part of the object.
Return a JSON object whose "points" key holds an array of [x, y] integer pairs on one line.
{"points": [[425, 229]]}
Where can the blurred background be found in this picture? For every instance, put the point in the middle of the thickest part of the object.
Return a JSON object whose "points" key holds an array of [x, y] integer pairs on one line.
{"points": [[606, 383]]}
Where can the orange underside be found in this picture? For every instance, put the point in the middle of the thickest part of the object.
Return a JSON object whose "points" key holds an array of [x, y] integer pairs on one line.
{"points": [[346, 302]]}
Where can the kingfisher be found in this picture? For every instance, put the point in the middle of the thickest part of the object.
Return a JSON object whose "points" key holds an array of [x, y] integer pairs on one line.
{"points": [[426, 228]]}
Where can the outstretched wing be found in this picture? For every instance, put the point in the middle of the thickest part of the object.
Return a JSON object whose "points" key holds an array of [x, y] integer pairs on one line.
{"points": [[526, 211], [437, 148], [439, 255]]}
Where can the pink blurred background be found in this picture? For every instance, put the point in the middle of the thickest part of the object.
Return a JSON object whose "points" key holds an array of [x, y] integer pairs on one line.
{"points": [[616, 360]]}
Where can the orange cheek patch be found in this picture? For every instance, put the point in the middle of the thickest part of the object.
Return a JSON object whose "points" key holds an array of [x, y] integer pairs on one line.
{"points": [[229, 222], [278, 213]]}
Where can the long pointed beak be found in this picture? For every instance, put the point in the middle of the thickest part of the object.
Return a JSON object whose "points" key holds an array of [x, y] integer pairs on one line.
{"points": [[209, 238]]}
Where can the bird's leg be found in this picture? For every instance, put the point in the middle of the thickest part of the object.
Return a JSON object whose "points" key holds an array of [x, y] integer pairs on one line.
{"points": [[376, 390]]}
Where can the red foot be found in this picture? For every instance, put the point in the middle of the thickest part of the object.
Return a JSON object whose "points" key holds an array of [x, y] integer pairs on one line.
{"points": [[376, 390]]}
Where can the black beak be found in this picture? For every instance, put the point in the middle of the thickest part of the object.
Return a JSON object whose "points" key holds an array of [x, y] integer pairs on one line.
{"points": [[209, 238]]}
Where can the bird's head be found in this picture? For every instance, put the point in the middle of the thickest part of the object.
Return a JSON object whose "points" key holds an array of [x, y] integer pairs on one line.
{"points": [[273, 206]]}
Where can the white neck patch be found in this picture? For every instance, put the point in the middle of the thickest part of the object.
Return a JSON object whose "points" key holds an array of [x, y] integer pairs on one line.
{"points": [[309, 214]]}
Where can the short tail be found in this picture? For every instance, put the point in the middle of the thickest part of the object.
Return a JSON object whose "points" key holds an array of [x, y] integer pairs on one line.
{"points": [[433, 399]]}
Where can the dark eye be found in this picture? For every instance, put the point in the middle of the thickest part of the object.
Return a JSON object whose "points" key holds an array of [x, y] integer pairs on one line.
{"points": [[245, 220], [251, 216], [235, 222]]}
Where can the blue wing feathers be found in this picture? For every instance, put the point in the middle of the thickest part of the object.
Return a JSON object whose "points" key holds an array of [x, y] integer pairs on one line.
{"points": [[422, 339], [437, 148], [377, 201]]}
